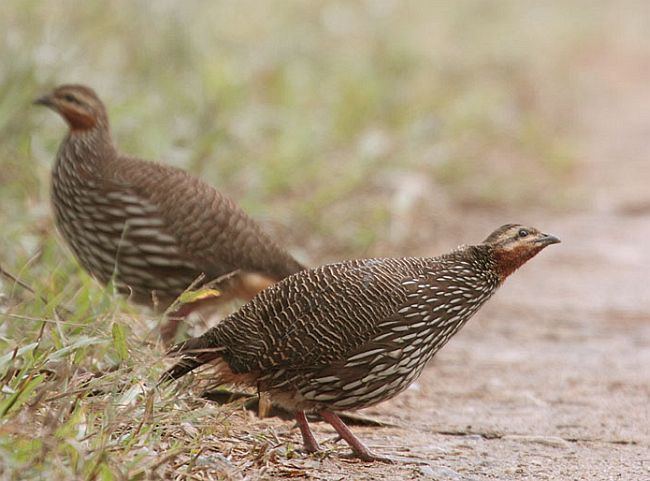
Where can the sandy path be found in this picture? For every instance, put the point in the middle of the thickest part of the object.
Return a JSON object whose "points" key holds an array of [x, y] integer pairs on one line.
{"points": [[552, 379]]}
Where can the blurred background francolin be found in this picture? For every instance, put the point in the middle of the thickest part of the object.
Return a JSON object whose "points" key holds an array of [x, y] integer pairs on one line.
{"points": [[293, 135]]}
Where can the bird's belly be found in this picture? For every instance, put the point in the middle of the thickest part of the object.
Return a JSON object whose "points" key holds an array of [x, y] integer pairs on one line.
{"points": [[379, 383], [379, 371], [112, 245]]}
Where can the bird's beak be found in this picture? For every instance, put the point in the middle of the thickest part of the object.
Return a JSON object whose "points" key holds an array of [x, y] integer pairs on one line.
{"points": [[44, 100], [547, 240]]}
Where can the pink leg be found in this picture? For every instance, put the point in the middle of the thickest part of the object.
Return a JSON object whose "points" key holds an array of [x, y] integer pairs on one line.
{"points": [[360, 449], [308, 439]]}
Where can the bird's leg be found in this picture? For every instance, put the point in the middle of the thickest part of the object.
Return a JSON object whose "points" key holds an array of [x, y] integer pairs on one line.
{"points": [[360, 449], [308, 439], [264, 404]]}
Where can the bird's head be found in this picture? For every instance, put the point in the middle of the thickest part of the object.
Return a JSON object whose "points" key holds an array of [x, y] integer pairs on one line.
{"points": [[78, 105], [512, 245]]}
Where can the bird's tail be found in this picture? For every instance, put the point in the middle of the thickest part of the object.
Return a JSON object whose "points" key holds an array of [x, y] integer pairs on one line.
{"points": [[194, 353]]}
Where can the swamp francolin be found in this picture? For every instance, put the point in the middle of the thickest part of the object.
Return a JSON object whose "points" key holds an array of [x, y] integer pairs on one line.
{"points": [[152, 228], [352, 334]]}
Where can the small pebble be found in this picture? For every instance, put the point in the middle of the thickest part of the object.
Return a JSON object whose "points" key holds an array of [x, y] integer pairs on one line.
{"points": [[440, 473], [552, 441]]}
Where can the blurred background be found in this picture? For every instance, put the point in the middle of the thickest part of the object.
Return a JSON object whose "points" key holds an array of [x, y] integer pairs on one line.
{"points": [[349, 129], [357, 128], [354, 129]]}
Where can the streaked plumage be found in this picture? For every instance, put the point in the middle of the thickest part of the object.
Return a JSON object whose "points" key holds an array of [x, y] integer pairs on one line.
{"points": [[352, 334], [153, 228]]}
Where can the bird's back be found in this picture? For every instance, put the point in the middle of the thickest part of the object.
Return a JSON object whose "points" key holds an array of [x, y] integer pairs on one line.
{"points": [[209, 227], [316, 316]]}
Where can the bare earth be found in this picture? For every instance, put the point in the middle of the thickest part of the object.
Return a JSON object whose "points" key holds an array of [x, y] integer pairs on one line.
{"points": [[552, 379], [549, 381]]}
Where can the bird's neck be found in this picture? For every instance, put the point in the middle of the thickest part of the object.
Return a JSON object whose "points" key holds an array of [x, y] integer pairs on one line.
{"points": [[477, 259], [482, 258], [507, 261], [87, 150]]}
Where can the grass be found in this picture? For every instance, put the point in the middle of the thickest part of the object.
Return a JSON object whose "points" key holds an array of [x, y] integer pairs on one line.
{"points": [[327, 121]]}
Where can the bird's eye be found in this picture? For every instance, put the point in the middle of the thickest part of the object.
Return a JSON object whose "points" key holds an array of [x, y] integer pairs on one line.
{"points": [[523, 233], [70, 98]]}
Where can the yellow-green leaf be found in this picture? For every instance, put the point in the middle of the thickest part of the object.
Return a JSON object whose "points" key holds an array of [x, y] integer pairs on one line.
{"points": [[119, 341], [198, 295]]}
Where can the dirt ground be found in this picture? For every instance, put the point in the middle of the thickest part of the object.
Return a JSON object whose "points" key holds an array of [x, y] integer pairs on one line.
{"points": [[552, 379]]}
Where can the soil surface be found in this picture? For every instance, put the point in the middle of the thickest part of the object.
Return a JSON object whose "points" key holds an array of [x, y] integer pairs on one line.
{"points": [[551, 380]]}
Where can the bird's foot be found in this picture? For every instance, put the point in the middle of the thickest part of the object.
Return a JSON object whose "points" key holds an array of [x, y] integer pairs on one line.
{"points": [[311, 447], [370, 457], [358, 448]]}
